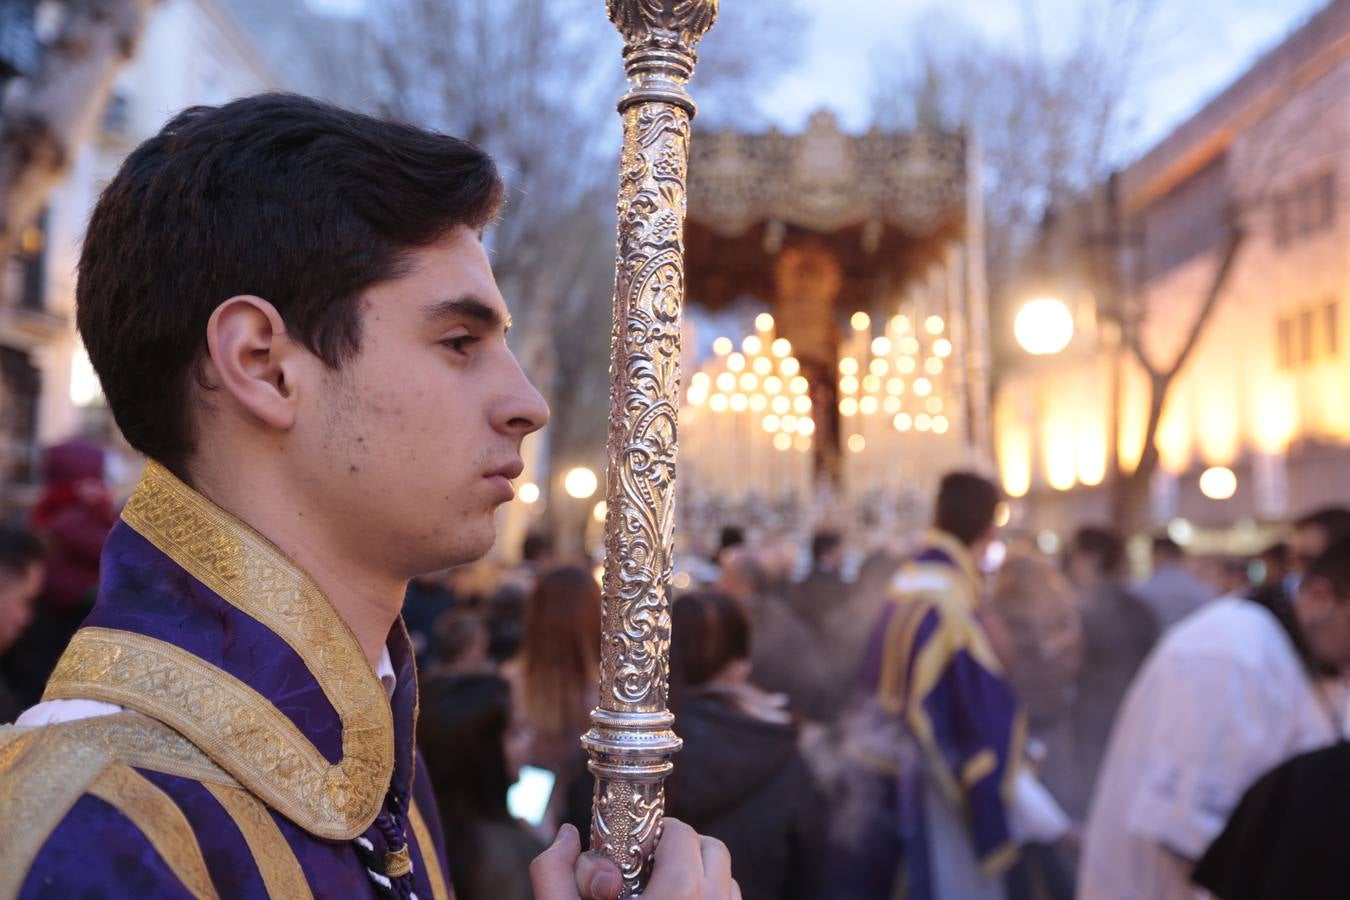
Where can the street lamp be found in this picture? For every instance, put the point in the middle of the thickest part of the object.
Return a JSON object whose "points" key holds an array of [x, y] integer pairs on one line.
{"points": [[1218, 483], [1043, 326], [580, 483]]}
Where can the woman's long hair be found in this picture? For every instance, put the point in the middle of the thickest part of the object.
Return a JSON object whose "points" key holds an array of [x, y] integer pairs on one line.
{"points": [[560, 651], [709, 630]]}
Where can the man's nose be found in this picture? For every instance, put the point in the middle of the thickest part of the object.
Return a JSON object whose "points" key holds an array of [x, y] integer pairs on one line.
{"points": [[522, 409]]}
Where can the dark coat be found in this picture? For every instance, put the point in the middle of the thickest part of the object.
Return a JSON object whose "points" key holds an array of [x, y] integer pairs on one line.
{"points": [[741, 779], [1290, 835]]}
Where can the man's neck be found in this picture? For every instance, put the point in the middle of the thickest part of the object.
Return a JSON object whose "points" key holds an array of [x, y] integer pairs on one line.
{"points": [[369, 602]]}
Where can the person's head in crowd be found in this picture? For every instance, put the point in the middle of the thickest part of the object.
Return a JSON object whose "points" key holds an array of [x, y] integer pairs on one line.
{"points": [[1323, 607], [709, 643], [505, 620], [537, 548], [1316, 531], [461, 638], [1036, 629], [1228, 575], [741, 575], [732, 536], [473, 748], [1166, 553], [560, 650], [1095, 556], [966, 504], [1275, 564], [21, 569], [827, 551], [778, 555]]}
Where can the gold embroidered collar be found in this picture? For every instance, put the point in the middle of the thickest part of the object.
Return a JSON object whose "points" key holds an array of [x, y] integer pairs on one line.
{"points": [[960, 554], [239, 728]]}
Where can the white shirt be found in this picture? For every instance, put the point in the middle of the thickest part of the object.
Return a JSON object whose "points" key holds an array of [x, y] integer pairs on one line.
{"points": [[1220, 701], [52, 712]]}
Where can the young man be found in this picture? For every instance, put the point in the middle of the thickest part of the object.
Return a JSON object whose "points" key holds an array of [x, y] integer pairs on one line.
{"points": [[936, 771], [294, 318], [1229, 693]]}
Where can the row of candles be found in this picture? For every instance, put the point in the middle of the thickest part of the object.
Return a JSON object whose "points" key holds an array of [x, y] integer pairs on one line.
{"points": [[748, 423], [895, 400]]}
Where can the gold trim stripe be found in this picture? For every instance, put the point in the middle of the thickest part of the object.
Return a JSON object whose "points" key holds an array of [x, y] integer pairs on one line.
{"points": [[143, 743], [978, 767], [254, 576], [280, 870], [440, 886], [231, 722], [161, 821], [41, 777]]}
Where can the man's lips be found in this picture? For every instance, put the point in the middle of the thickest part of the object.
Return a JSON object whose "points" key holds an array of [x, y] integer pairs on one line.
{"points": [[501, 479]]}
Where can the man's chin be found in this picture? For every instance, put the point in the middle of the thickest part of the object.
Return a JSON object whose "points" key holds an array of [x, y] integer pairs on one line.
{"points": [[476, 544]]}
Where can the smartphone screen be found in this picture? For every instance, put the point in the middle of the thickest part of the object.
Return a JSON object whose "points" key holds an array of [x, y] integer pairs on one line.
{"points": [[527, 799]]}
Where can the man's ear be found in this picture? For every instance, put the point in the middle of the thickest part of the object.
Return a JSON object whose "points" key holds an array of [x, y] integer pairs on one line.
{"points": [[251, 357]]}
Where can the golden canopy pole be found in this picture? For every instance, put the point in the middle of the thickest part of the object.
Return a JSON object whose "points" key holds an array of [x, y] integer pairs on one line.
{"points": [[631, 741]]}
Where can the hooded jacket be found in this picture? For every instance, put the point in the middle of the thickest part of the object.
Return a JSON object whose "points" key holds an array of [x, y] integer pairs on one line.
{"points": [[741, 779]]}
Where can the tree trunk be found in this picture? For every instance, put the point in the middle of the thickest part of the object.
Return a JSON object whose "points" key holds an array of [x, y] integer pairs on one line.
{"points": [[54, 112], [1130, 490]]}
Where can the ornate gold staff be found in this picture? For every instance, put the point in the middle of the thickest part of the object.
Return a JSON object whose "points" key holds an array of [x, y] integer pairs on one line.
{"points": [[631, 741]]}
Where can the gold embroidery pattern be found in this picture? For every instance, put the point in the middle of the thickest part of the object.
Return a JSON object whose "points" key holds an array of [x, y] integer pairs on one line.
{"points": [[252, 575], [440, 887], [231, 722], [161, 821], [144, 743], [41, 777], [281, 872]]}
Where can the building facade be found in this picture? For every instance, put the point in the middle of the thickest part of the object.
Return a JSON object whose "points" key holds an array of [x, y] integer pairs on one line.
{"points": [[193, 52], [1247, 201]]}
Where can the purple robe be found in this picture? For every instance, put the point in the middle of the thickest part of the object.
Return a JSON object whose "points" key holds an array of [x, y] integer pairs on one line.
{"points": [[939, 727], [259, 748]]}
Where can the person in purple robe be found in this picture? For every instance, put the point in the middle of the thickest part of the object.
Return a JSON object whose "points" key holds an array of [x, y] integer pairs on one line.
{"points": [[293, 317], [933, 773]]}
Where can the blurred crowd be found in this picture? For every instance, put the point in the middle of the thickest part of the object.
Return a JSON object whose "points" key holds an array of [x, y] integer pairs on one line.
{"points": [[947, 714]]}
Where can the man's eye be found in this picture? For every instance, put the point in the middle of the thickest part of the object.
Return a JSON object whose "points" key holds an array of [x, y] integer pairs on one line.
{"points": [[460, 344]]}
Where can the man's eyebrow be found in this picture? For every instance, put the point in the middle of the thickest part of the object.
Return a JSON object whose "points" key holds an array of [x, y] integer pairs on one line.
{"points": [[468, 307]]}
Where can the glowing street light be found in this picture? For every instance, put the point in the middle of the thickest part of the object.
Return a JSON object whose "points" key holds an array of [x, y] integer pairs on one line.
{"points": [[1043, 326], [528, 493], [1218, 483], [580, 483]]}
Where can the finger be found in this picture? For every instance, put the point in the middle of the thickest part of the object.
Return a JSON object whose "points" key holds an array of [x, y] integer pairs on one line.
{"points": [[598, 878], [551, 873], [736, 891], [716, 866], [678, 868]]}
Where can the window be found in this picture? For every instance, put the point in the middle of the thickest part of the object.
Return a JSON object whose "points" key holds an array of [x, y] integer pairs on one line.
{"points": [[1331, 333], [1326, 201], [1285, 342], [1307, 335], [1307, 323], [1281, 216], [1305, 209]]}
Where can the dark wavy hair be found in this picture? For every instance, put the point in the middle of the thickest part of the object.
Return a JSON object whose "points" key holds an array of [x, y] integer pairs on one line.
{"points": [[283, 197]]}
